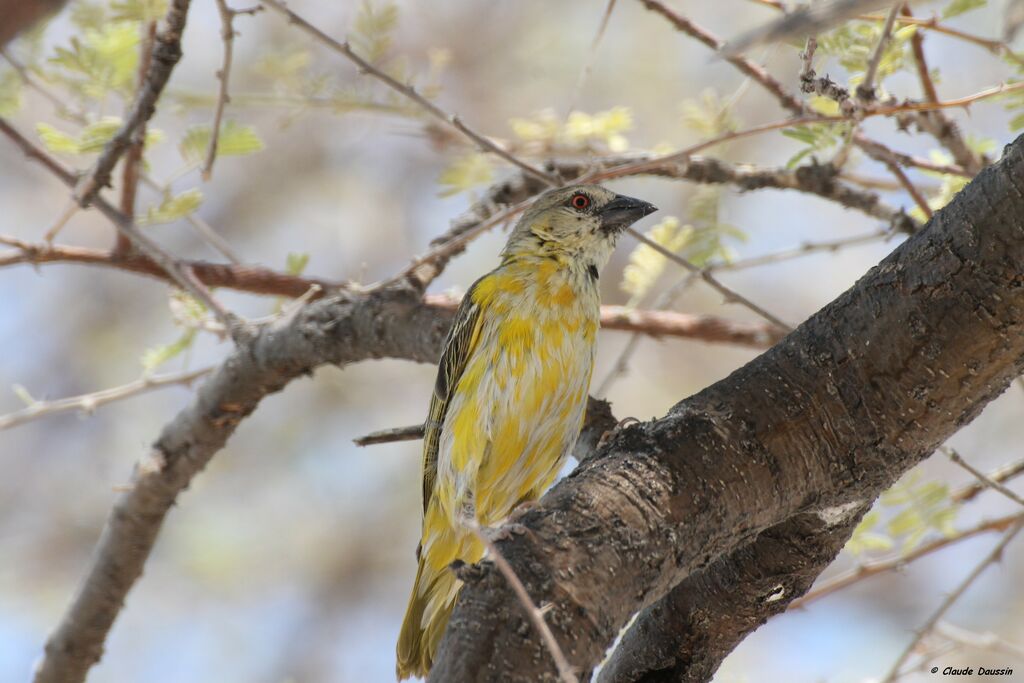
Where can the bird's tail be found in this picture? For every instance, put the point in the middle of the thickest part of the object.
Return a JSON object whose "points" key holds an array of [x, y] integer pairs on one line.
{"points": [[434, 592], [433, 597]]}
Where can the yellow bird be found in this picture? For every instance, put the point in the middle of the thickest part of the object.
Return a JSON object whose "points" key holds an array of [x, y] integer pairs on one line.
{"points": [[511, 391]]}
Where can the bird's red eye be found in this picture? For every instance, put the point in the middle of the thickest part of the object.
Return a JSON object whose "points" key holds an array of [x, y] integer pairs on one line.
{"points": [[580, 201]]}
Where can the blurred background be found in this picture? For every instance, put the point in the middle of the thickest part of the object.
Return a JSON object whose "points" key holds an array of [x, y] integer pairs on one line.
{"points": [[291, 557]]}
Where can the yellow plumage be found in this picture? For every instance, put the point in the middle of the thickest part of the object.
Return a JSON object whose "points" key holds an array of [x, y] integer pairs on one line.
{"points": [[511, 392]]}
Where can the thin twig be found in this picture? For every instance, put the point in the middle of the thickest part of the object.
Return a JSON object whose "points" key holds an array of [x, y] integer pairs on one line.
{"points": [[981, 476], [866, 89], [133, 159], [87, 403], [936, 123], [730, 295], [425, 268], [979, 641], [535, 614], [395, 434], [591, 56], [752, 70], [244, 278], [1004, 473], [882, 566], [917, 47], [995, 554], [182, 276], [409, 92], [621, 364], [805, 249], [227, 36], [914, 193], [203, 229], [166, 53]]}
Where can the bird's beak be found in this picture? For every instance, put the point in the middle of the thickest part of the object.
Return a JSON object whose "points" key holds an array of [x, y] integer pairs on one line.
{"points": [[622, 212]]}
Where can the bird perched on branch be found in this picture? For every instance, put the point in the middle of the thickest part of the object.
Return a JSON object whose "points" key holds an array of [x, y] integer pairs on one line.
{"points": [[511, 392]]}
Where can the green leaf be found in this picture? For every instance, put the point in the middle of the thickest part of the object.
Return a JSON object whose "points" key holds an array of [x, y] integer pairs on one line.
{"points": [[864, 537], [371, 37], [55, 140], [466, 172], [103, 60], [23, 394], [95, 135], [235, 140], [709, 116], [173, 208], [138, 10], [295, 263], [958, 7], [284, 66], [905, 522], [158, 355], [801, 133], [91, 139]]}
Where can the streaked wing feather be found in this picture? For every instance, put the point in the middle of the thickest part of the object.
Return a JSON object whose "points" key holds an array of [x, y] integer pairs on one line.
{"points": [[460, 344]]}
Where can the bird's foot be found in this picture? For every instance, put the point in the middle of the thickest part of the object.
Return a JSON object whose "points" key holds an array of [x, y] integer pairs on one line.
{"points": [[614, 431], [504, 532]]}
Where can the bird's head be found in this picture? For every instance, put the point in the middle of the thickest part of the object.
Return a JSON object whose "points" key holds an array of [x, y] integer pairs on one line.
{"points": [[579, 224]]}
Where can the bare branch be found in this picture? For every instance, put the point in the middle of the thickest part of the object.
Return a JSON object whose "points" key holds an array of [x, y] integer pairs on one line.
{"points": [[87, 403], [180, 275], [885, 565], [591, 55], [993, 556], [133, 160], [730, 295], [752, 70], [990, 483], [904, 181], [1004, 473], [409, 92], [227, 34], [866, 89], [395, 434]]}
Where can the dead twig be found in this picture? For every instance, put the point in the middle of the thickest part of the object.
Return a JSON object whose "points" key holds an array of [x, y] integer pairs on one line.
{"points": [[534, 613]]}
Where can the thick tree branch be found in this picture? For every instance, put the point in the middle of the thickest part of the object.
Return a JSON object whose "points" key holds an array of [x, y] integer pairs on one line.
{"points": [[341, 329], [829, 417], [685, 636]]}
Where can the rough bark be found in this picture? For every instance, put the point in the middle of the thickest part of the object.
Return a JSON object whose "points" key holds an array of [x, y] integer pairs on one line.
{"points": [[830, 416], [685, 636]]}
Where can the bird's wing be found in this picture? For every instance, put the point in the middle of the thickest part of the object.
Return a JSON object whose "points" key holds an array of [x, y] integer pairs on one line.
{"points": [[462, 339]]}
